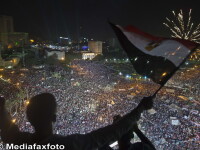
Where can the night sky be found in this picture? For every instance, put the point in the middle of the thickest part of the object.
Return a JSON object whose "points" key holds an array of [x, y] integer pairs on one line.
{"points": [[54, 18]]}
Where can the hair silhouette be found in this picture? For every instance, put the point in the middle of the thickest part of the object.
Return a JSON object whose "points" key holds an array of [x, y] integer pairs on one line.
{"points": [[41, 109]]}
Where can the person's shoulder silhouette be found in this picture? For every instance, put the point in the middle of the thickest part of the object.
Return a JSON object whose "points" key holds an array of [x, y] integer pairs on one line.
{"points": [[40, 111]]}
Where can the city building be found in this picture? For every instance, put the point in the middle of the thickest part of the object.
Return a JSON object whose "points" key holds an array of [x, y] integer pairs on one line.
{"points": [[6, 24], [114, 45], [89, 56], [9, 63], [113, 42], [60, 54], [95, 47], [65, 41], [13, 39], [9, 38]]}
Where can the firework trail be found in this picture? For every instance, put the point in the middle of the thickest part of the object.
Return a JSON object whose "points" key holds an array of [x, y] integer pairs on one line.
{"points": [[182, 27]]}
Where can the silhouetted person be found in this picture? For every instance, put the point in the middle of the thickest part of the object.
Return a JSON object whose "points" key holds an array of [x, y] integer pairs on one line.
{"points": [[41, 113]]}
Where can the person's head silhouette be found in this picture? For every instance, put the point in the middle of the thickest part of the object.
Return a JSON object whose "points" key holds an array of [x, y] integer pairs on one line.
{"points": [[41, 112]]}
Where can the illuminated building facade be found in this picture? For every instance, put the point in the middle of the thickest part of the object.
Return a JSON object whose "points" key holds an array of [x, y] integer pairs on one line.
{"points": [[60, 54], [95, 47], [89, 56], [9, 63]]}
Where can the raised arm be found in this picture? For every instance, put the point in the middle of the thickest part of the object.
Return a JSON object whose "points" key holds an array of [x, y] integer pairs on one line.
{"points": [[113, 132]]}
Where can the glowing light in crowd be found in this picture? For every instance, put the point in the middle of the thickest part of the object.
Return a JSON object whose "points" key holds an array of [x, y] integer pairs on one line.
{"points": [[31, 40], [128, 76], [182, 27], [164, 74], [27, 102], [13, 120]]}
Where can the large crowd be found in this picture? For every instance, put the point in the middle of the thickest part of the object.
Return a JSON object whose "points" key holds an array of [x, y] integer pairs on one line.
{"points": [[91, 93]]}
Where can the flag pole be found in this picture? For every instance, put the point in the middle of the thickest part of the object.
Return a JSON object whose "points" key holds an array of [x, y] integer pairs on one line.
{"points": [[173, 72]]}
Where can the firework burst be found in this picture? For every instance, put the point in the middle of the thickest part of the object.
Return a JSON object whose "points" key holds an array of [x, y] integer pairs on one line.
{"points": [[182, 27]]}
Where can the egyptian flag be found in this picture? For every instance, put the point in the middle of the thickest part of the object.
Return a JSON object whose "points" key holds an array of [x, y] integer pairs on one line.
{"points": [[154, 57]]}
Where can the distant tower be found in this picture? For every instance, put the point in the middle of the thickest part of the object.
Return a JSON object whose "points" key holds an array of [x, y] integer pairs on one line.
{"points": [[80, 33], [9, 38], [6, 24], [0, 51], [114, 45]]}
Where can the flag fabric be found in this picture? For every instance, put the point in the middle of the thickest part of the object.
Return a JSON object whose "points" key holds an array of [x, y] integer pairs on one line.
{"points": [[151, 56]]}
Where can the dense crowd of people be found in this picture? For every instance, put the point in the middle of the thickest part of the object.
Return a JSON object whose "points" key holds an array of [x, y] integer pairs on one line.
{"points": [[90, 94]]}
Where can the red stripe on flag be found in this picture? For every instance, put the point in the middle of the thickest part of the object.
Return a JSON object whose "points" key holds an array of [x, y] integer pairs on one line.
{"points": [[188, 44], [138, 31]]}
